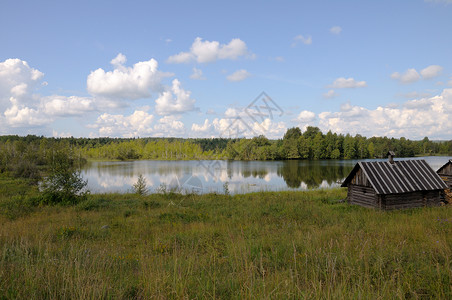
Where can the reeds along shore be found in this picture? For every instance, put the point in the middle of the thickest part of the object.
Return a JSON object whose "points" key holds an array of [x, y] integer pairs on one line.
{"points": [[261, 245]]}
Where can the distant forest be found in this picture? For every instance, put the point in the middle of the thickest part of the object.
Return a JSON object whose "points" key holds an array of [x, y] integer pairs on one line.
{"points": [[311, 144]]}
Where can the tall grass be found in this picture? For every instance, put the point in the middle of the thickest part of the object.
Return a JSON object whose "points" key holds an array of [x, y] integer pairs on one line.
{"points": [[254, 246]]}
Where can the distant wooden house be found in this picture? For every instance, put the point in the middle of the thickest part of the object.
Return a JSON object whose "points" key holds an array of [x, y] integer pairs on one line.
{"points": [[394, 184], [445, 172]]}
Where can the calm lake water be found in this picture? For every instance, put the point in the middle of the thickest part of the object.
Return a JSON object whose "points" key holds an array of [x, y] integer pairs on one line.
{"points": [[207, 176]]}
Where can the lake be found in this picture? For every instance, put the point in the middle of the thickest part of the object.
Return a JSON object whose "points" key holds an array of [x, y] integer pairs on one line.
{"points": [[206, 176]]}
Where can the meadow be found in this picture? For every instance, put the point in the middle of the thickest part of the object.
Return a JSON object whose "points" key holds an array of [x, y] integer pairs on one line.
{"points": [[287, 245]]}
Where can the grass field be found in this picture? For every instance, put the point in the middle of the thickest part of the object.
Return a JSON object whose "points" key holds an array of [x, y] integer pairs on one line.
{"points": [[253, 246]]}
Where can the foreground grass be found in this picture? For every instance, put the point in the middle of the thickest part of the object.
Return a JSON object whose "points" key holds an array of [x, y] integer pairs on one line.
{"points": [[260, 245]]}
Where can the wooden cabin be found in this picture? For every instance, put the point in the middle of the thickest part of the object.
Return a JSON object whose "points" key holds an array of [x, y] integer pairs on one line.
{"points": [[394, 184], [445, 172]]}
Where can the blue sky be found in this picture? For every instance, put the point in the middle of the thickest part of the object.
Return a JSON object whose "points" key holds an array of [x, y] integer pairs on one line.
{"points": [[192, 68]]}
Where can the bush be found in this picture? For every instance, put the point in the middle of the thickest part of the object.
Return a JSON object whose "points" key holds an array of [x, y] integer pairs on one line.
{"points": [[140, 186], [65, 187]]}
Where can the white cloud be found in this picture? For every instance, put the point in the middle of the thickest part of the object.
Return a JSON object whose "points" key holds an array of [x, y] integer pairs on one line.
{"points": [[201, 128], [137, 124], [169, 126], [450, 82], [280, 59], [61, 134], [119, 61], [18, 80], [306, 116], [270, 129], [197, 74], [415, 119], [336, 30], [238, 75], [346, 83], [20, 106], [126, 82], [431, 71], [66, 106], [330, 94], [174, 100], [411, 75], [413, 95], [24, 116], [210, 51], [307, 40]]}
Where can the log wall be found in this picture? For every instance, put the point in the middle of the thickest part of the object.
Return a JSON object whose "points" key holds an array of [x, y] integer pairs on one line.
{"points": [[365, 196], [410, 200], [362, 195], [447, 179]]}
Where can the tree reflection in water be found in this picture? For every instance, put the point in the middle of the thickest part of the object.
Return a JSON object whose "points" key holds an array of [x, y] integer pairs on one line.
{"points": [[312, 173]]}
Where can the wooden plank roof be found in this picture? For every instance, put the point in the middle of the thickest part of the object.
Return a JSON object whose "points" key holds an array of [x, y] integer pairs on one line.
{"points": [[445, 165], [402, 176]]}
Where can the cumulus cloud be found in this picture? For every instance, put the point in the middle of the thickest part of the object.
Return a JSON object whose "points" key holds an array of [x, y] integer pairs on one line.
{"points": [[169, 126], [347, 83], [126, 82], [21, 106], [201, 128], [137, 124], [197, 74], [174, 100], [210, 51], [330, 94], [307, 40], [238, 75], [67, 106], [412, 75], [18, 80], [306, 116], [414, 119], [431, 71], [336, 30]]}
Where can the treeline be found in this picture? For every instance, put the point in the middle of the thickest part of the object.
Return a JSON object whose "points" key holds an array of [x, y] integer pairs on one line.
{"points": [[313, 144], [17, 152], [33, 157]]}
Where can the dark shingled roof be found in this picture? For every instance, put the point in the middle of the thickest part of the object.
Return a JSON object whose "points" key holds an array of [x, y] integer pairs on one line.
{"points": [[400, 177]]}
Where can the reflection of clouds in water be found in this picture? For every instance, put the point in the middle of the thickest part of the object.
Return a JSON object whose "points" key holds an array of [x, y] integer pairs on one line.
{"points": [[110, 181], [209, 176]]}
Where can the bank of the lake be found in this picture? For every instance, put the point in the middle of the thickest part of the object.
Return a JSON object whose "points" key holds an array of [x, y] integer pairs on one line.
{"points": [[260, 245]]}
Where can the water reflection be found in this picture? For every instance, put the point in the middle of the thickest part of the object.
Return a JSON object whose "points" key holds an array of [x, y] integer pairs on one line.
{"points": [[210, 176], [314, 174]]}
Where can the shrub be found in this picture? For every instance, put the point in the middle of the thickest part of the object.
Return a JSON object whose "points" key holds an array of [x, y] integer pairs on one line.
{"points": [[140, 186], [64, 186]]}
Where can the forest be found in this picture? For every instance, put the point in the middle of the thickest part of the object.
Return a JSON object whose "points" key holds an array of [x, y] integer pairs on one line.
{"points": [[27, 156]]}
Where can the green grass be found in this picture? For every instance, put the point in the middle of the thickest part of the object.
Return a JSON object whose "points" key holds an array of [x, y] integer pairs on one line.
{"points": [[253, 246]]}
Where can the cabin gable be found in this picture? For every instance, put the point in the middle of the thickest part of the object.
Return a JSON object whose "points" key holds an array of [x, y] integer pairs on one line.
{"points": [[445, 172]]}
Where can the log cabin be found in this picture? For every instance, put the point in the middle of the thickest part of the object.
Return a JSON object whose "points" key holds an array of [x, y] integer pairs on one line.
{"points": [[445, 172], [394, 184]]}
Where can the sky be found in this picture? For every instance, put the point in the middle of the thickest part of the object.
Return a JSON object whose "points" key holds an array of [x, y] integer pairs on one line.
{"points": [[225, 69]]}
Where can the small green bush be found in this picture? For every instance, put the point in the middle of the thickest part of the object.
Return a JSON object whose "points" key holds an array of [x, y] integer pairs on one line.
{"points": [[64, 187]]}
